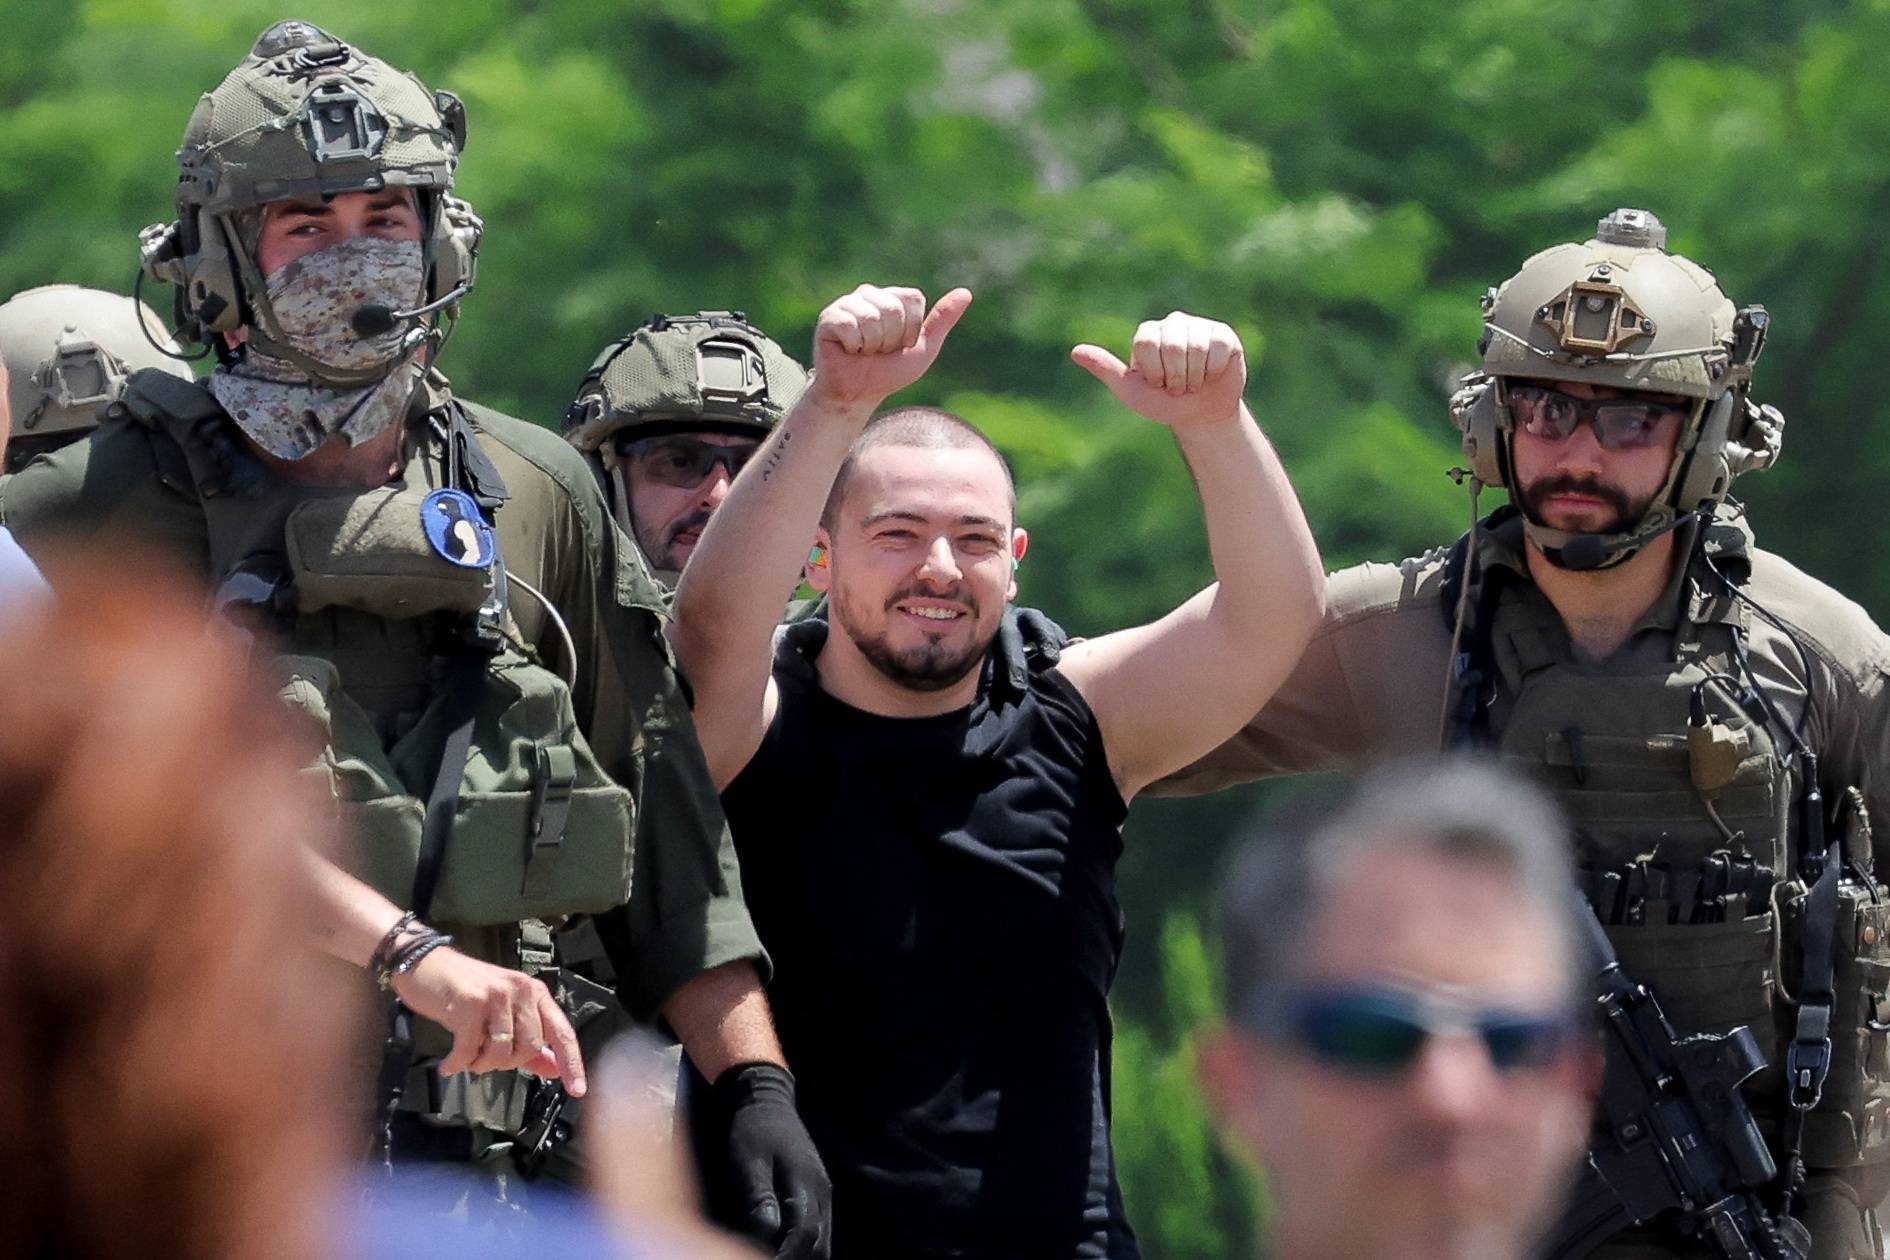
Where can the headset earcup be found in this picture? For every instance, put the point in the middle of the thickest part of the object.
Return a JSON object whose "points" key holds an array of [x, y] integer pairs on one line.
{"points": [[1477, 417], [1706, 476], [214, 298], [453, 247]]}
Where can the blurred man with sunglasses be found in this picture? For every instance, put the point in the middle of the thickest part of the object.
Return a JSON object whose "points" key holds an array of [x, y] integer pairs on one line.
{"points": [[1420, 1089], [670, 414], [1715, 722]]}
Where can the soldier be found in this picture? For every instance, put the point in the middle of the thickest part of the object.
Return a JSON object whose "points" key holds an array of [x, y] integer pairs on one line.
{"points": [[1420, 1089], [1714, 721], [505, 738], [940, 896], [670, 414], [68, 352]]}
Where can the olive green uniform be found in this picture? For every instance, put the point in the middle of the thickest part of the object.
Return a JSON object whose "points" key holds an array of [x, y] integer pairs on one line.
{"points": [[1373, 684], [141, 481]]}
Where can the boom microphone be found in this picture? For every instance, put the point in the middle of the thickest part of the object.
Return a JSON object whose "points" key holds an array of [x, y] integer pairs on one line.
{"points": [[1585, 552], [375, 320]]}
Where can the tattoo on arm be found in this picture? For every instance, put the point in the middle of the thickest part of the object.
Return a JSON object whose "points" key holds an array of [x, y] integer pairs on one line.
{"points": [[774, 455]]}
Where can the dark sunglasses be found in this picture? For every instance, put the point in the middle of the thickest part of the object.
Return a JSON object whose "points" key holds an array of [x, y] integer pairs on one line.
{"points": [[1619, 423], [1380, 1031], [681, 461]]}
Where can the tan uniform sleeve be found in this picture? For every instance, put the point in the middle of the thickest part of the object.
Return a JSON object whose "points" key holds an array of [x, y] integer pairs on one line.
{"points": [[1370, 686], [1853, 745], [1848, 680]]}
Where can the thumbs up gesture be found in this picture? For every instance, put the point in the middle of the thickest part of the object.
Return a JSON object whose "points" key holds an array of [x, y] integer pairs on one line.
{"points": [[1182, 371], [875, 341]]}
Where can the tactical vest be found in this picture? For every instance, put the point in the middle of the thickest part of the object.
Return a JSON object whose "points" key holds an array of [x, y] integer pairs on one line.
{"points": [[373, 619], [1686, 825]]}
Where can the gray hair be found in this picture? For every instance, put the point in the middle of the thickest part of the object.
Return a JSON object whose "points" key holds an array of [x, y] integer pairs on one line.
{"points": [[1453, 808]]}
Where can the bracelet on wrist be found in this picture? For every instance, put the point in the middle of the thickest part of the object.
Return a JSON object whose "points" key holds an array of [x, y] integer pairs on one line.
{"points": [[384, 951], [411, 955], [397, 958]]}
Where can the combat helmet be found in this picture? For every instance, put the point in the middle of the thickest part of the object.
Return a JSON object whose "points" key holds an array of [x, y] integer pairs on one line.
{"points": [[1620, 310], [68, 352], [306, 115], [711, 370]]}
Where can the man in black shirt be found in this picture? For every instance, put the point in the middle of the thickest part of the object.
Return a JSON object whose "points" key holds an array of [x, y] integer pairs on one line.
{"points": [[939, 896]]}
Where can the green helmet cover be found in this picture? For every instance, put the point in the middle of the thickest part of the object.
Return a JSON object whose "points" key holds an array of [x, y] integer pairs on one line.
{"points": [[304, 116], [710, 370]]}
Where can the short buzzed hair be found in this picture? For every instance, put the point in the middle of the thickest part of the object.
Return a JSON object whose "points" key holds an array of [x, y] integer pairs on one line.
{"points": [[927, 429], [1453, 808]]}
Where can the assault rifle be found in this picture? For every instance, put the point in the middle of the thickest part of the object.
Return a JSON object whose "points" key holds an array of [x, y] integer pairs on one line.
{"points": [[1676, 1138]]}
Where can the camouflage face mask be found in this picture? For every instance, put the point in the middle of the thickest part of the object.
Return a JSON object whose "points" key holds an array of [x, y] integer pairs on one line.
{"points": [[313, 300]]}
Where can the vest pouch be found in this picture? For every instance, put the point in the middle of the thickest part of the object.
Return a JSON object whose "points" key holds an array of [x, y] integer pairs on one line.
{"points": [[1851, 1124], [370, 552], [1708, 977], [379, 818], [540, 830]]}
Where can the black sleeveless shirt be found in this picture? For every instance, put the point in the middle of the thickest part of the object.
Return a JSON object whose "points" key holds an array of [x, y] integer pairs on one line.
{"points": [[938, 897]]}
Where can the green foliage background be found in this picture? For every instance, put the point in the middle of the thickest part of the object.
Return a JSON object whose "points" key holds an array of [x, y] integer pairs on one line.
{"points": [[1338, 178]]}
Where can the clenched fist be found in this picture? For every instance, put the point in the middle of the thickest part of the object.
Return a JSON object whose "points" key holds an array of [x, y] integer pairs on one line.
{"points": [[1183, 370], [874, 342]]}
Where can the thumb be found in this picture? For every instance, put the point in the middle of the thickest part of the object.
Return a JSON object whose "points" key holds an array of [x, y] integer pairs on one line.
{"points": [[764, 1213], [1102, 365], [944, 317]]}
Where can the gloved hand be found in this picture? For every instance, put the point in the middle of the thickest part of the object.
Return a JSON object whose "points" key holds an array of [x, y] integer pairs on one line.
{"points": [[1025, 632], [773, 1163]]}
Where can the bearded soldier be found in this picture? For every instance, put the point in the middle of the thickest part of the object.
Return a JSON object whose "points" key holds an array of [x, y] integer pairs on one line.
{"points": [[1715, 722], [670, 414], [506, 738], [69, 352]]}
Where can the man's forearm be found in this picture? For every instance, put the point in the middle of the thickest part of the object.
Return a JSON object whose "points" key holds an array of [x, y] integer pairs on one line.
{"points": [[722, 1018], [744, 568], [348, 918], [1263, 550]]}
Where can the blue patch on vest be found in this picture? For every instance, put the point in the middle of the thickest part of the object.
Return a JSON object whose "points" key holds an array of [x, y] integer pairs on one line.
{"points": [[457, 530]]}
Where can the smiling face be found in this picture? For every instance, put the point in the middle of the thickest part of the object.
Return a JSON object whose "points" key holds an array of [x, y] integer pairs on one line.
{"points": [[1452, 1156], [1577, 485], [294, 229], [921, 548]]}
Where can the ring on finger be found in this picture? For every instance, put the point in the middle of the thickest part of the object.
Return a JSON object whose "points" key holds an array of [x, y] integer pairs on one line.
{"points": [[501, 1038]]}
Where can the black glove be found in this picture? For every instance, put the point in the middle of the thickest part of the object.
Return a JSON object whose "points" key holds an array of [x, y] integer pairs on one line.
{"points": [[1022, 634], [773, 1163]]}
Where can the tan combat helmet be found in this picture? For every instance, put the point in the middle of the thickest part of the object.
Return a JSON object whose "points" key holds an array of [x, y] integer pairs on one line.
{"points": [[1619, 310], [306, 115], [68, 352]]}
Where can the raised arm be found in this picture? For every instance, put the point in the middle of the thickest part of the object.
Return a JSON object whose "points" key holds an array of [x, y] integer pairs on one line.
{"points": [[1167, 692], [867, 345]]}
